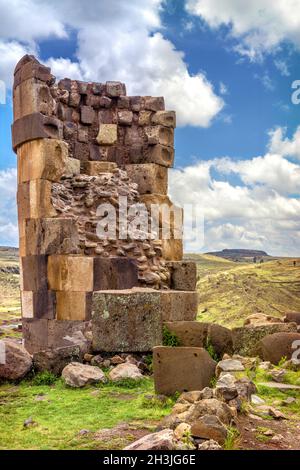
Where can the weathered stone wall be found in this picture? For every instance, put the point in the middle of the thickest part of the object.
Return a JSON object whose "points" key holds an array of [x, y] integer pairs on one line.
{"points": [[80, 145]]}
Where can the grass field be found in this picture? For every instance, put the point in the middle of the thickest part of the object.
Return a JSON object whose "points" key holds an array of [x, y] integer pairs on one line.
{"points": [[229, 291]]}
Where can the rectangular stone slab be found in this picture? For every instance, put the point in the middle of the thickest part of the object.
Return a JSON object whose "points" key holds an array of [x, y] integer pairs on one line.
{"points": [[126, 321], [149, 177], [39, 304], [33, 273], [179, 305], [32, 96], [183, 275], [115, 273], [41, 334], [35, 126], [70, 273], [181, 369], [42, 159], [172, 249], [73, 305], [50, 236], [34, 200]]}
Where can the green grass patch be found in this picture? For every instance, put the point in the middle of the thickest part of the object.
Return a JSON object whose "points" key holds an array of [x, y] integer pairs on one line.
{"points": [[63, 412]]}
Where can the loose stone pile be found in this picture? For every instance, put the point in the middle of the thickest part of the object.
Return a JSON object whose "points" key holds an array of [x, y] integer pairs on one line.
{"points": [[82, 145]]}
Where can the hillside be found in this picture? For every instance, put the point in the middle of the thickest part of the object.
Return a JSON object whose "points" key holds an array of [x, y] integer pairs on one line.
{"points": [[9, 291], [238, 255], [230, 292]]}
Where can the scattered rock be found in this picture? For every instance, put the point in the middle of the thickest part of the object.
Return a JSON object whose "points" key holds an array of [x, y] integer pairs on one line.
{"points": [[265, 410], [97, 361], [288, 401], [226, 387], [18, 361], [278, 375], [210, 406], [209, 427], [125, 371], [182, 431], [55, 359], [115, 360], [258, 319], [265, 365], [161, 440], [78, 375], [29, 423], [256, 400], [209, 445], [229, 365]]}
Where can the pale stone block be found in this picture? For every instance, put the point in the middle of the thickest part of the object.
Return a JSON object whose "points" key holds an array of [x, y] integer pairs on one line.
{"points": [[149, 177], [73, 305], [72, 167], [42, 159], [108, 134], [96, 168], [70, 273], [34, 200], [160, 135]]}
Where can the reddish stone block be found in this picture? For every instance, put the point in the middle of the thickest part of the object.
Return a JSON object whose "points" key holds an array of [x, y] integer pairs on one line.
{"points": [[154, 103], [35, 126], [115, 273], [33, 273], [115, 89], [87, 114], [39, 304]]}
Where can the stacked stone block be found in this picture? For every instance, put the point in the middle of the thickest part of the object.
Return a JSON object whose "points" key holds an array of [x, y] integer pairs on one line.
{"points": [[79, 145]]}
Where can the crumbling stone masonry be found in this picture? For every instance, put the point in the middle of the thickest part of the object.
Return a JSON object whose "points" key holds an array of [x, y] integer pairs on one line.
{"points": [[80, 145]]}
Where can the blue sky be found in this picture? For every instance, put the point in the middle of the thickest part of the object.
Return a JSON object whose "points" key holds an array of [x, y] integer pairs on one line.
{"points": [[226, 70]]}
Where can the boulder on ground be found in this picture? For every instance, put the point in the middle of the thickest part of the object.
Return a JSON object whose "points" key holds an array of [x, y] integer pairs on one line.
{"points": [[209, 427], [78, 375], [55, 359], [278, 345], [181, 369], [125, 371], [229, 365], [259, 319], [226, 387], [210, 406], [161, 440], [293, 317], [15, 361], [246, 339]]}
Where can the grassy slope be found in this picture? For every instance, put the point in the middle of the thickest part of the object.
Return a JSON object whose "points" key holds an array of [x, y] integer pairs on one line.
{"points": [[229, 292], [10, 309], [64, 412]]}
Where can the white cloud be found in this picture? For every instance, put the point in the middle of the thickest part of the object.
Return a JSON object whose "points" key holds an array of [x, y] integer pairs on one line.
{"points": [[256, 211], [116, 40], [8, 211], [284, 146], [260, 26]]}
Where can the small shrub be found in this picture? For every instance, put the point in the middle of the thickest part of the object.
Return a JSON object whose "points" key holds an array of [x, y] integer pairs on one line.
{"points": [[169, 338], [44, 378], [232, 439], [128, 383], [282, 361], [211, 351]]}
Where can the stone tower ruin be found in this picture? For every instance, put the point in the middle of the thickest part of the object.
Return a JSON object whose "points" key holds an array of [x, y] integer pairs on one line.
{"points": [[80, 146]]}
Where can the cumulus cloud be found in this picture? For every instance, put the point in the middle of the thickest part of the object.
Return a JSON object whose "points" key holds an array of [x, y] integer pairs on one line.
{"points": [[279, 143], [116, 40], [8, 211], [260, 26], [256, 207]]}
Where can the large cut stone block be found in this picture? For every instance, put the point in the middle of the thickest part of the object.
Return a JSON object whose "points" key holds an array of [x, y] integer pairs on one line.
{"points": [[166, 216], [179, 305], [35, 126], [96, 168], [181, 369], [50, 236], [149, 177], [73, 305], [39, 304], [33, 273], [115, 273], [160, 135], [32, 96], [183, 275], [70, 273], [276, 346], [160, 154], [42, 159], [126, 321], [198, 334], [108, 134], [41, 334], [34, 200], [29, 67], [172, 249], [246, 340], [164, 118]]}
